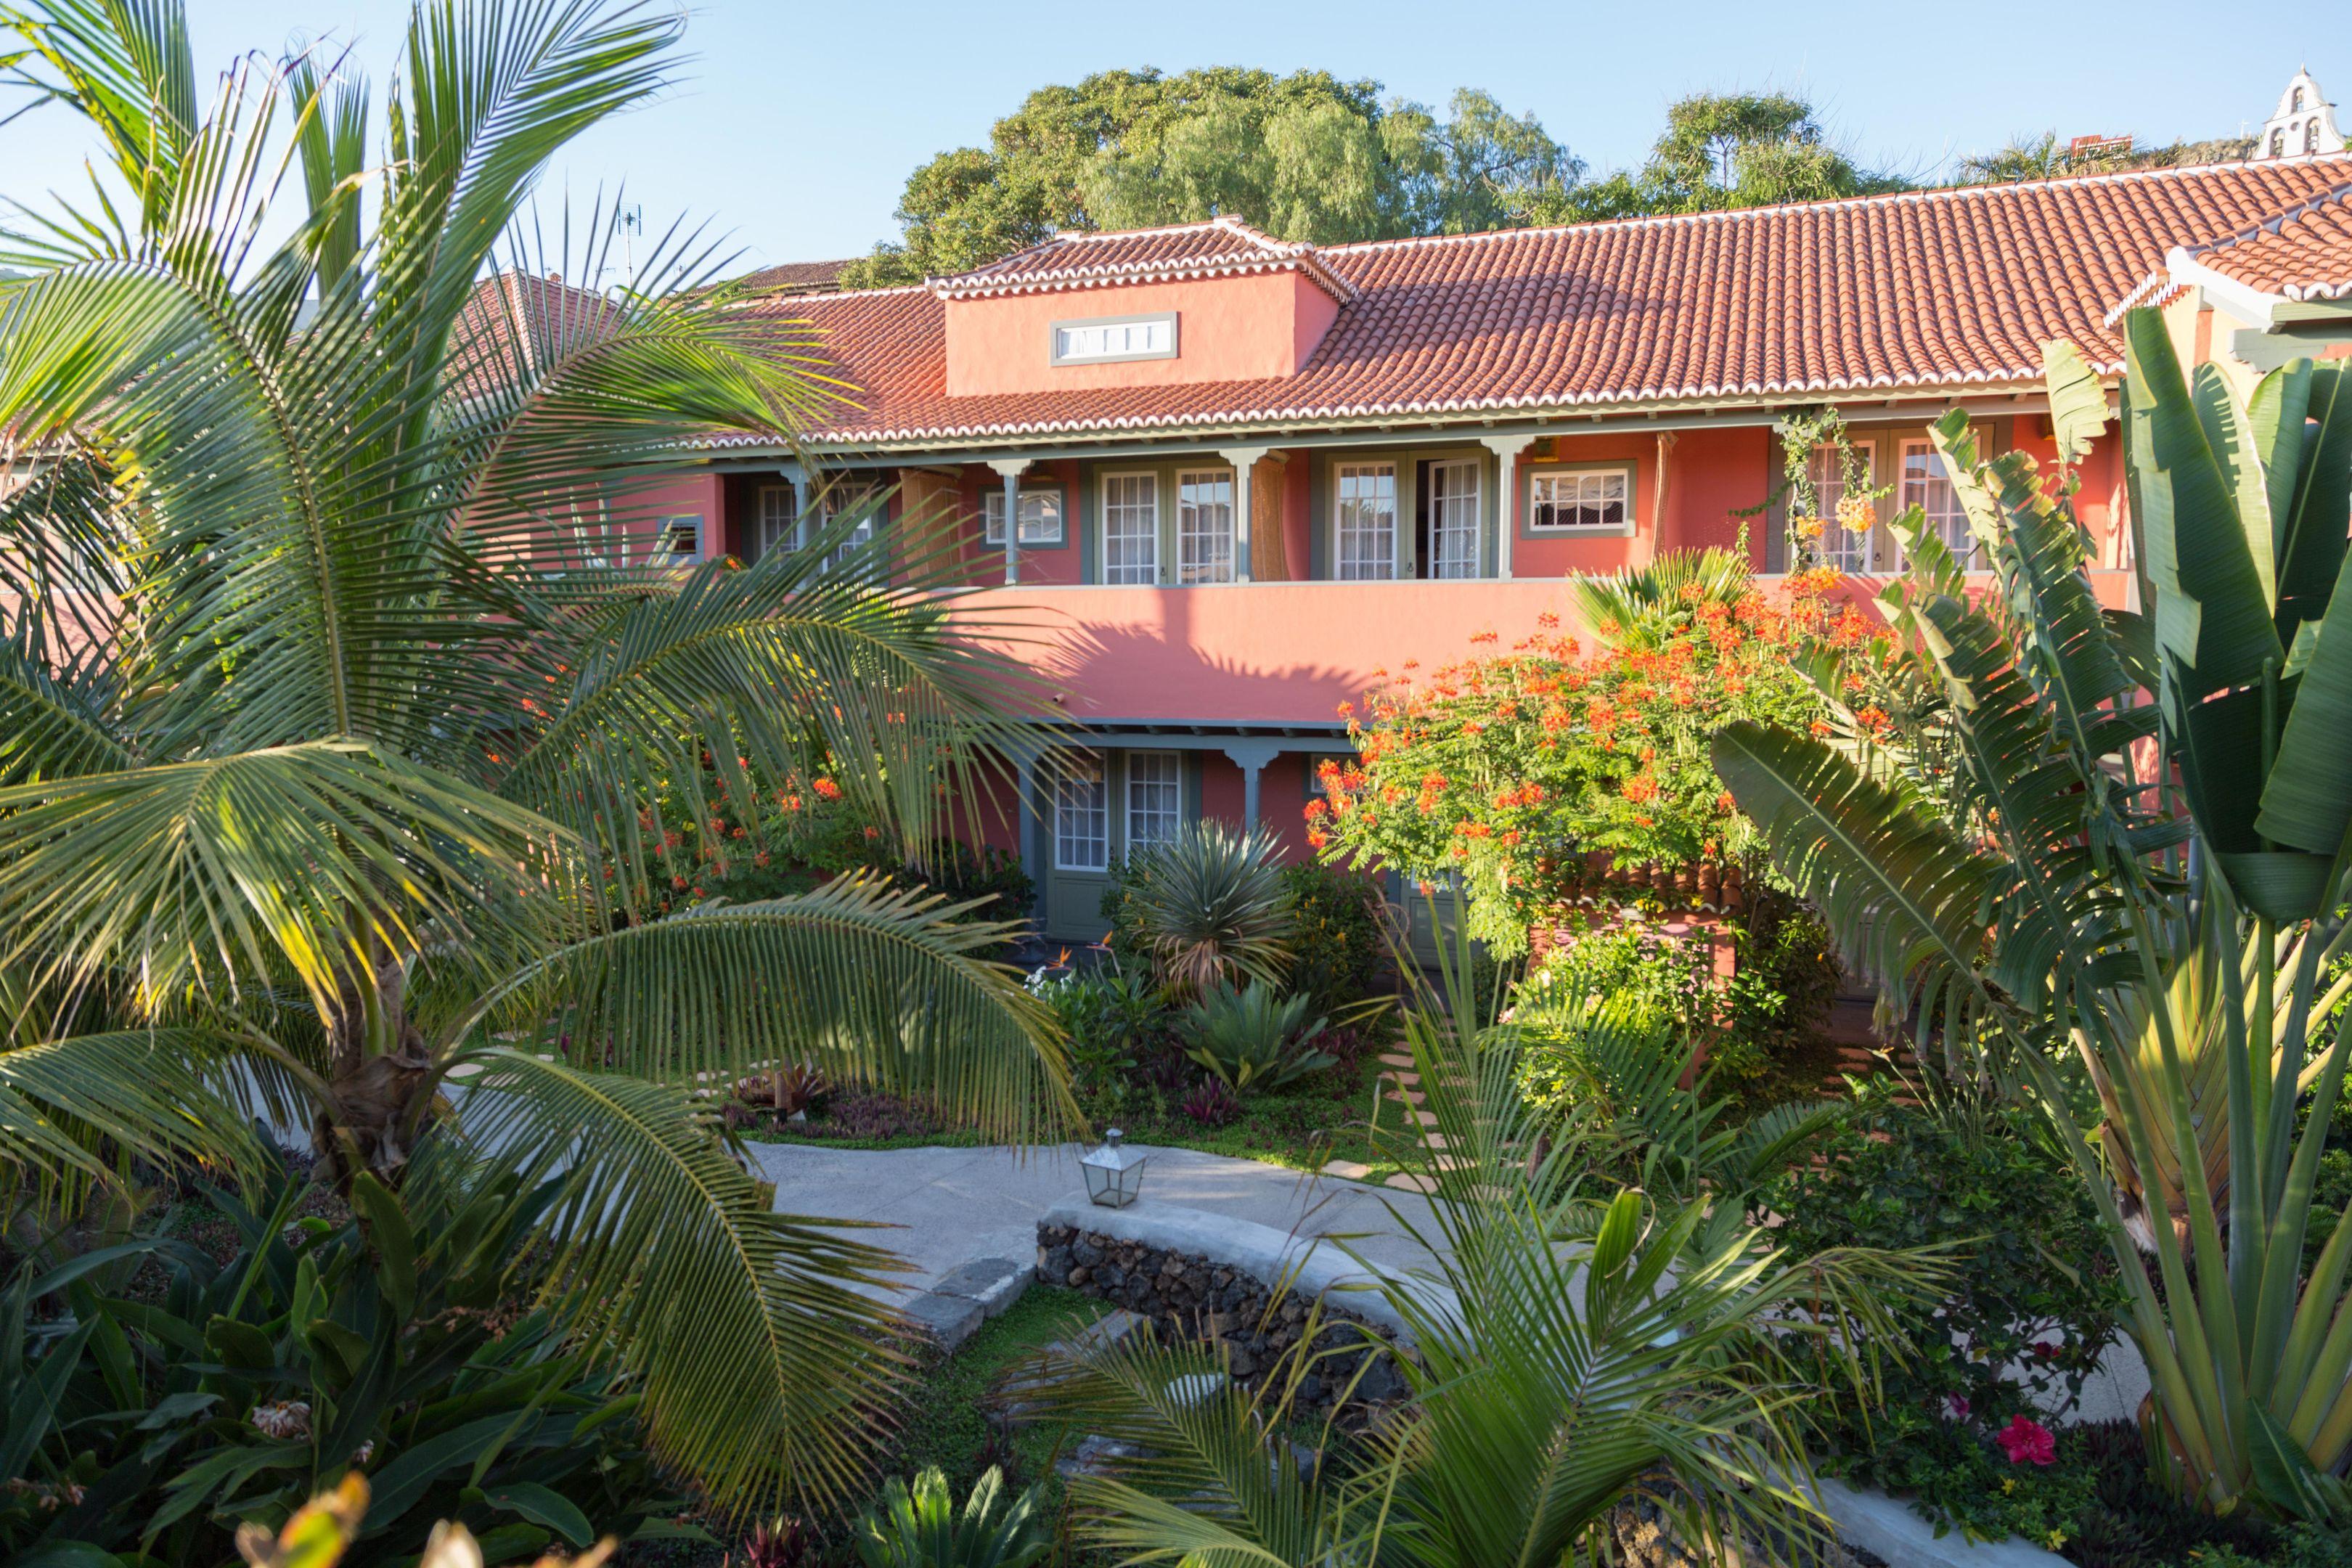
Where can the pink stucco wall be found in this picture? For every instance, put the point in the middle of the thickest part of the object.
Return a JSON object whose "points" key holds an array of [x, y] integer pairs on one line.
{"points": [[1279, 652], [1228, 329]]}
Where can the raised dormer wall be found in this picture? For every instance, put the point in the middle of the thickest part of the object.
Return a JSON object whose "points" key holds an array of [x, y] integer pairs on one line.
{"points": [[1253, 327]]}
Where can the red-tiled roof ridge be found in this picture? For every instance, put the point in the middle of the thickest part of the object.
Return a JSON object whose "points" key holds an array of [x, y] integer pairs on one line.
{"points": [[2232, 255], [1991, 189], [1213, 248], [1924, 291]]}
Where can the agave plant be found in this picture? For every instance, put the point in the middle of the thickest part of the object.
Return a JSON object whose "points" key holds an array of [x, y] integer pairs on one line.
{"points": [[918, 1526], [1579, 1348], [330, 715], [1253, 1037], [2036, 903], [1210, 907]]}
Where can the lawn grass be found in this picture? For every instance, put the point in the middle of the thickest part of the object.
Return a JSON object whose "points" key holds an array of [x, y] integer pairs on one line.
{"points": [[944, 1424], [1334, 1115]]}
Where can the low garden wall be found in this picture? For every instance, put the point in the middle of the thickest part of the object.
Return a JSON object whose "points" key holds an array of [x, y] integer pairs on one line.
{"points": [[1251, 1288]]}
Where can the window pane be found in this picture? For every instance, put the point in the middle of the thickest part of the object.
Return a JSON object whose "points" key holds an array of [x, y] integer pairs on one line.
{"points": [[1204, 527], [1595, 499], [1367, 521], [1454, 519], [777, 520], [1131, 528], [1081, 814], [1928, 487], [1847, 550], [1041, 516], [1155, 797]]}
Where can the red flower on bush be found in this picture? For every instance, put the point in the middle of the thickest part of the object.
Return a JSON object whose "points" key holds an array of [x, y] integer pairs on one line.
{"points": [[2027, 1441], [826, 789]]}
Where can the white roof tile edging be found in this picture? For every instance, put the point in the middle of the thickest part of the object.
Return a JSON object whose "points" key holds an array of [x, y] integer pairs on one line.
{"points": [[1312, 1266]]}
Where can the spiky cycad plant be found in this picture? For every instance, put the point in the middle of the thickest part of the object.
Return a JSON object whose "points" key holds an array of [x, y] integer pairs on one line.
{"points": [[2035, 908], [333, 706], [1579, 1346]]}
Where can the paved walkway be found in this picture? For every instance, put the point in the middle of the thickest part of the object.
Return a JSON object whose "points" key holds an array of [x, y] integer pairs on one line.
{"points": [[949, 1207]]}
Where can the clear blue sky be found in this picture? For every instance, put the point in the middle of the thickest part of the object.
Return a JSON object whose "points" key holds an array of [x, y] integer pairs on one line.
{"points": [[793, 125]]}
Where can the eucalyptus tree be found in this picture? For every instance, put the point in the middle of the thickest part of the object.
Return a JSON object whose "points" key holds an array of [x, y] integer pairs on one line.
{"points": [[2063, 833], [340, 695]]}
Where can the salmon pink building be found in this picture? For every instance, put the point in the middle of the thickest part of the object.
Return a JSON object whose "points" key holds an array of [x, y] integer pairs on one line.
{"points": [[1227, 480]]}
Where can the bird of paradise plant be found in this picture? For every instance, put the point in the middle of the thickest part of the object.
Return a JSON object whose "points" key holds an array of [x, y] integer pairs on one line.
{"points": [[2121, 839]]}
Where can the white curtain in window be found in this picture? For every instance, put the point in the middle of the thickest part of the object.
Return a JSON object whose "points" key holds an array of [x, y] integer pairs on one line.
{"points": [[1081, 814], [1155, 797], [1846, 549], [1454, 519], [777, 517], [1204, 526], [1928, 486], [1131, 528], [1367, 521]]}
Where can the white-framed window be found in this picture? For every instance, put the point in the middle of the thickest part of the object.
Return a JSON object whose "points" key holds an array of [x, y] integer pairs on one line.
{"points": [[1204, 525], [1155, 798], [1107, 340], [841, 499], [1130, 528], [679, 543], [1081, 813], [776, 525], [1928, 485], [1581, 501], [1315, 763], [1847, 550], [1453, 502], [1364, 517], [1042, 517]]}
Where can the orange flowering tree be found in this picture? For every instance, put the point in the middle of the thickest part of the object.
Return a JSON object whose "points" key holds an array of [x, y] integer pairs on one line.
{"points": [[1509, 767]]}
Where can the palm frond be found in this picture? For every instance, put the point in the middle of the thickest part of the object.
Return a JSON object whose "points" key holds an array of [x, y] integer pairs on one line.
{"points": [[874, 984], [1909, 903], [75, 1111], [765, 1371], [321, 859]]}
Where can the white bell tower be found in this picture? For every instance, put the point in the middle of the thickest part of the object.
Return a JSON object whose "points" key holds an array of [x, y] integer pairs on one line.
{"points": [[2303, 123]]}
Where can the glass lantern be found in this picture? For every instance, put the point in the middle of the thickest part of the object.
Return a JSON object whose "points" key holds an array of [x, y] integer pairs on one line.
{"points": [[1114, 1172]]}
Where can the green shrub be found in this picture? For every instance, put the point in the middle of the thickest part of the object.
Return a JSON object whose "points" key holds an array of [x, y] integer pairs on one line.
{"points": [[1337, 947], [1787, 975], [1250, 1039], [918, 1527], [1206, 908], [1653, 983], [2038, 1292], [1115, 1022], [172, 1402]]}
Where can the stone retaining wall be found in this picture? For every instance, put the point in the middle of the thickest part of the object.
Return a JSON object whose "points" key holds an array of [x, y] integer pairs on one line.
{"points": [[1189, 1296]]}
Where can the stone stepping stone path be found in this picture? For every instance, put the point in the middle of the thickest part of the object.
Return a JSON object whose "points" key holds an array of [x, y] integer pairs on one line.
{"points": [[1862, 1050], [1401, 1086]]}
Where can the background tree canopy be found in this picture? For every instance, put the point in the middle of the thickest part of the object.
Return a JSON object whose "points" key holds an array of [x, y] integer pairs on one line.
{"points": [[1304, 156], [1308, 156]]}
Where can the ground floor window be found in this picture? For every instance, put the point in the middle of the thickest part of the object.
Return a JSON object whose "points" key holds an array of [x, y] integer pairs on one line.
{"points": [[1081, 814], [1844, 549], [778, 520], [1581, 501], [1155, 798]]}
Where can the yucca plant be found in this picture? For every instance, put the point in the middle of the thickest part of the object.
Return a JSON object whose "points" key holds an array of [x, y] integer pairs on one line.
{"points": [[1579, 1347], [336, 692], [2032, 904], [1208, 907]]}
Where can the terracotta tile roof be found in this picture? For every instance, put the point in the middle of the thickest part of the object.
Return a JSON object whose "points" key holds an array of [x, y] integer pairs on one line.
{"points": [[795, 276], [1221, 248], [2304, 254], [1932, 291], [513, 321]]}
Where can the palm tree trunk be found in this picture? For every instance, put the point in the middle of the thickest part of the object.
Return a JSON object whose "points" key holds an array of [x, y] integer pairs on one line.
{"points": [[379, 1071]]}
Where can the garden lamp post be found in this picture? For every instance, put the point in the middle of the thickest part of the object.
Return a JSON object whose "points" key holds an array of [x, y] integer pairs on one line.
{"points": [[1114, 1172]]}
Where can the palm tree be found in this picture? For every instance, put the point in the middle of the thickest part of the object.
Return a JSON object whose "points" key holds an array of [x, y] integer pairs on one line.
{"points": [[1579, 1346], [333, 725], [2039, 901]]}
